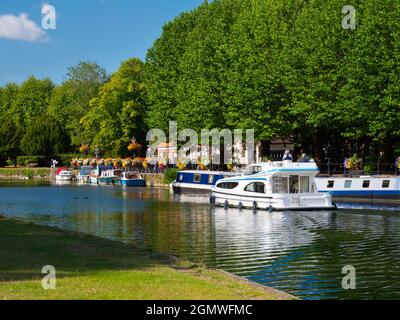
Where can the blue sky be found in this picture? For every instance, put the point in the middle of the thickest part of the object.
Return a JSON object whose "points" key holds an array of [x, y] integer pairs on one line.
{"points": [[105, 31]]}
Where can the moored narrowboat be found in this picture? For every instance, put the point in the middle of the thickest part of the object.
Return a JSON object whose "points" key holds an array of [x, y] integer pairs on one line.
{"points": [[371, 190], [197, 181]]}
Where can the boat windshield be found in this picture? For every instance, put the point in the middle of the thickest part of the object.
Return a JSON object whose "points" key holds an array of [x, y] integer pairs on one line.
{"points": [[252, 170]]}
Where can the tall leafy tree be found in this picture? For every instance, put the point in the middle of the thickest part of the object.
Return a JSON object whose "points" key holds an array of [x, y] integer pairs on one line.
{"points": [[117, 113], [31, 101], [45, 137], [70, 101]]}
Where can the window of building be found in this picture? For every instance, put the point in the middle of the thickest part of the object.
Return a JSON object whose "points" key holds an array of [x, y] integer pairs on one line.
{"points": [[257, 187]]}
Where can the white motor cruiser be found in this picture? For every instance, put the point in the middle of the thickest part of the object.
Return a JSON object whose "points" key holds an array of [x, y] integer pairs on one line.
{"points": [[65, 175], [282, 185]]}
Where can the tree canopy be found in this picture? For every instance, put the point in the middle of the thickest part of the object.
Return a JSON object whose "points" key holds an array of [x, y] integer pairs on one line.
{"points": [[285, 68]]}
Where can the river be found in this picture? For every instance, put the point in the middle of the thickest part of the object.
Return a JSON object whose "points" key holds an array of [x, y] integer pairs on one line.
{"points": [[302, 253]]}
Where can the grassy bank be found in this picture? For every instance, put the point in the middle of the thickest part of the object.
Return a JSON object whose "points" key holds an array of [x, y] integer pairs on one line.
{"points": [[94, 268], [30, 173]]}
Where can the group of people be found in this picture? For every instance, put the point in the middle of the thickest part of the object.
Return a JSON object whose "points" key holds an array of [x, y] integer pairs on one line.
{"points": [[287, 156]]}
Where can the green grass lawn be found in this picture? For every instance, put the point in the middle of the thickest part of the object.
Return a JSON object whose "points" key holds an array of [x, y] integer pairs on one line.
{"points": [[94, 268]]}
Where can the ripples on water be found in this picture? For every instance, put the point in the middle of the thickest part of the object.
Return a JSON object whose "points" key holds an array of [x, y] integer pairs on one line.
{"points": [[298, 252]]}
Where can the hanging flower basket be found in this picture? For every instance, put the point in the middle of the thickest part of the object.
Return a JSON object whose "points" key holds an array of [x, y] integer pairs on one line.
{"points": [[353, 163], [134, 146]]}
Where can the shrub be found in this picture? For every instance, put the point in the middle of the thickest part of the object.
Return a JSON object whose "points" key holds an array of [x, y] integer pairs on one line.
{"points": [[170, 175], [25, 160], [65, 159]]}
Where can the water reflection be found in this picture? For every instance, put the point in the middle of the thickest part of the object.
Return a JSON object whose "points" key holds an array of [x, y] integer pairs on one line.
{"points": [[299, 252]]}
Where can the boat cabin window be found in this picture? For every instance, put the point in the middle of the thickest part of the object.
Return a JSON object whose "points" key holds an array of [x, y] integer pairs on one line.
{"points": [[366, 184], [385, 183], [196, 177], [228, 185], [347, 184], [304, 184], [252, 170], [210, 179], [280, 184], [331, 183], [258, 187], [181, 177], [294, 184]]}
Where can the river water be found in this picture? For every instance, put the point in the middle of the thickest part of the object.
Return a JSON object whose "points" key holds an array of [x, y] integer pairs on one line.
{"points": [[302, 253]]}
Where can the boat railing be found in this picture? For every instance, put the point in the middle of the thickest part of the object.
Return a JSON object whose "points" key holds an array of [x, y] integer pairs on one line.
{"points": [[332, 168]]}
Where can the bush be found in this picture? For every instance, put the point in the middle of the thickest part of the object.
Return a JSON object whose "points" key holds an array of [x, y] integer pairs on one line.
{"points": [[66, 158], [25, 160], [170, 175], [26, 172]]}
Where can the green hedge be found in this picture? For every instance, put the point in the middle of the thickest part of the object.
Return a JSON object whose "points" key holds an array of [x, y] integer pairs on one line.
{"points": [[25, 172], [25, 160]]}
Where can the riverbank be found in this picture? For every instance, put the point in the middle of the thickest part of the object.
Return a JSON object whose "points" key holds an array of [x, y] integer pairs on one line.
{"points": [[89, 267], [151, 179]]}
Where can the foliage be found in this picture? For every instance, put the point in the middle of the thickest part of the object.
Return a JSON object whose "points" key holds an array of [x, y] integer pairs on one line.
{"points": [[25, 172], [25, 160], [170, 175], [10, 136], [353, 163], [64, 159], [31, 101], [284, 68], [45, 137], [117, 113], [70, 101]]}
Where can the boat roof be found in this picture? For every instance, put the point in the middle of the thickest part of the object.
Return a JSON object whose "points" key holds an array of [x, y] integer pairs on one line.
{"points": [[287, 166], [279, 167]]}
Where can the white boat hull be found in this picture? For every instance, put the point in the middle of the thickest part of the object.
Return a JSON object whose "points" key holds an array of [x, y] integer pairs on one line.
{"points": [[64, 178], [310, 201]]}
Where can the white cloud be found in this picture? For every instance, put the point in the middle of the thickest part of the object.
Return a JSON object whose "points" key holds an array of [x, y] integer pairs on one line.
{"points": [[20, 28]]}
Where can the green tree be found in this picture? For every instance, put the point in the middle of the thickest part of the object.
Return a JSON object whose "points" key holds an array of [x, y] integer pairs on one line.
{"points": [[45, 137], [10, 136], [70, 101], [31, 101], [117, 113]]}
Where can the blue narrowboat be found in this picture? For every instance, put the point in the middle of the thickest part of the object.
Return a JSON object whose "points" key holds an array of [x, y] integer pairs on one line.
{"points": [[197, 181]]}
